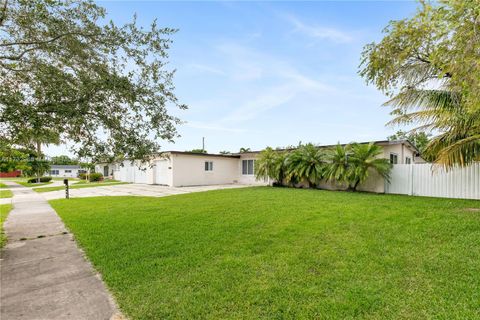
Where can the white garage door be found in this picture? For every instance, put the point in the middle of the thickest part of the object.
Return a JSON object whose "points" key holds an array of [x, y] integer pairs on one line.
{"points": [[132, 173], [140, 174], [123, 173], [162, 172]]}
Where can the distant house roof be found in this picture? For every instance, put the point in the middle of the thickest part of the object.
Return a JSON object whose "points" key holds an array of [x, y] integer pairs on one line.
{"points": [[64, 166]]}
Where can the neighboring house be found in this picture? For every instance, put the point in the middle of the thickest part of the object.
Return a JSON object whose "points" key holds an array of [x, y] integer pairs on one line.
{"points": [[178, 169], [69, 171]]}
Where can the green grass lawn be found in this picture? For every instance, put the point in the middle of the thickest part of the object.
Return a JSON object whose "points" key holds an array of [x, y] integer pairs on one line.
{"points": [[4, 192], [279, 253], [98, 182], [80, 185], [14, 179], [4, 210]]}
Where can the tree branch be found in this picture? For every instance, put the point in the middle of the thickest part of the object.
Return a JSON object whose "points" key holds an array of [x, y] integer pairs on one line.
{"points": [[3, 15], [40, 42]]}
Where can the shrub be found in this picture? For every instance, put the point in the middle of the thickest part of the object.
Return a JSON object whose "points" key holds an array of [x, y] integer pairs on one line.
{"points": [[42, 179], [82, 176], [95, 177]]}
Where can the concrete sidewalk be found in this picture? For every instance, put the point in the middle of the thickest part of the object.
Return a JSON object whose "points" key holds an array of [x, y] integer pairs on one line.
{"points": [[44, 275], [132, 189]]}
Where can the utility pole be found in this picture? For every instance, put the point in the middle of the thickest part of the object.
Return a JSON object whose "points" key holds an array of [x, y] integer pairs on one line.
{"points": [[203, 144]]}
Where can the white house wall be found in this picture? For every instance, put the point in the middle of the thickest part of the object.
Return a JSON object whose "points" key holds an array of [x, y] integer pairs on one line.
{"points": [[184, 169], [401, 150], [63, 174], [189, 170], [248, 179]]}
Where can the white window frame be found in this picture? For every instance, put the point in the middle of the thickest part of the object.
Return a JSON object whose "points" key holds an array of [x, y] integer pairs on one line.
{"points": [[208, 166], [408, 160], [248, 167], [54, 172], [68, 171], [396, 158]]}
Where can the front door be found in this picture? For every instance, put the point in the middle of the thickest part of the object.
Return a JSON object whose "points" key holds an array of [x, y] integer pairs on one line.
{"points": [[105, 171]]}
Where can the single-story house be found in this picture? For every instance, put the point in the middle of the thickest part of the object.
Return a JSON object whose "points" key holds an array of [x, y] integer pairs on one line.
{"points": [[178, 168], [68, 171]]}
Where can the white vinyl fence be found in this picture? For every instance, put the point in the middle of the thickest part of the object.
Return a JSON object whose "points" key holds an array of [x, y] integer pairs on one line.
{"points": [[433, 181]]}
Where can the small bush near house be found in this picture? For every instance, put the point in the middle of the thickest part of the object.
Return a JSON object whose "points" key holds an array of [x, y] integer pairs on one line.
{"points": [[42, 179], [95, 177], [82, 176]]}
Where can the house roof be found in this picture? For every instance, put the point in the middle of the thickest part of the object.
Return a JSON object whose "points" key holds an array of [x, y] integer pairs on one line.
{"points": [[64, 166], [237, 155], [203, 154], [379, 142]]}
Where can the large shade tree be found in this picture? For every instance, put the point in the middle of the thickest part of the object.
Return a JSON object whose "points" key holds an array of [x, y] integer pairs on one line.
{"points": [[103, 87], [429, 65]]}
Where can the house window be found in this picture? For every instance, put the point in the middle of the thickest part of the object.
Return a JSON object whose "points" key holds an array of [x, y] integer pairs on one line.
{"points": [[393, 158], [408, 160], [68, 171], [248, 167], [54, 172], [208, 165]]}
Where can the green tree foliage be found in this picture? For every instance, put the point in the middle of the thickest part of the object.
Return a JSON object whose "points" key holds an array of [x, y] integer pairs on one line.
{"points": [[419, 139], [198, 151], [270, 165], [102, 87], [338, 165], [244, 150], [12, 159], [351, 164], [34, 138], [37, 164], [363, 161], [63, 160], [429, 66], [305, 164]]}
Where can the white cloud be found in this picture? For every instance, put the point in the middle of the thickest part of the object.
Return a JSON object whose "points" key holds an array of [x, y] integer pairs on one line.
{"points": [[318, 32], [205, 68], [211, 126], [279, 82]]}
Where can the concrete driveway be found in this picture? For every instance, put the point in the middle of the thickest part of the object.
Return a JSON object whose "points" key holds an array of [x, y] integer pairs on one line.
{"points": [[134, 190]]}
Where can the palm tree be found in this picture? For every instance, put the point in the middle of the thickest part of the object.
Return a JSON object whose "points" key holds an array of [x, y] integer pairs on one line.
{"points": [[243, 150], [33, 139], [264, 166], [441, 110], [270, 165], [338, 166], [306, 163], [363, 160]]}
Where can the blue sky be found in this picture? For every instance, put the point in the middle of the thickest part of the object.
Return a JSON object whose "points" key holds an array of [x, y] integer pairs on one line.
{"points": [[257, 74]]}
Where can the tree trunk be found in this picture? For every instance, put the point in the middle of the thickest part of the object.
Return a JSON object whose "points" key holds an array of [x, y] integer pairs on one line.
{"points": [[356, 185], [39, 152]]}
